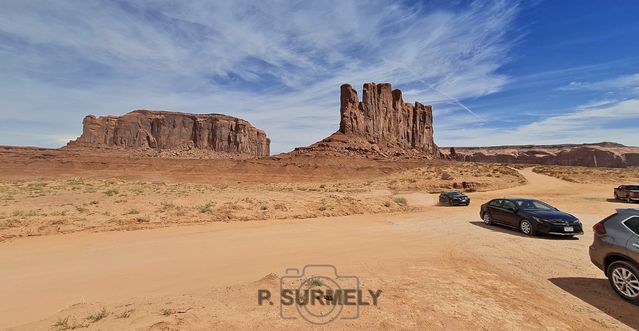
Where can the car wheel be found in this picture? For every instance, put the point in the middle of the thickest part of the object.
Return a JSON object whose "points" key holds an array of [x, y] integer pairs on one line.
{"points": [[487, 219], [526, 227], [624, 279]]}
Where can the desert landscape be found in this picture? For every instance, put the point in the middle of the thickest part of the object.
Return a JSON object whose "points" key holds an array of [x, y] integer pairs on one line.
{"points": [[169, 221], [69, 263]]}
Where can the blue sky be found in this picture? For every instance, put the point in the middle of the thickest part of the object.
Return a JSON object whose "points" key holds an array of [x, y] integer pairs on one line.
{"points": [[502, 72]]}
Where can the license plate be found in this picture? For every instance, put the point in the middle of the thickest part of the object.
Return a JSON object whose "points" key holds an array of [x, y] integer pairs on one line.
{"points": [[569, 229]]}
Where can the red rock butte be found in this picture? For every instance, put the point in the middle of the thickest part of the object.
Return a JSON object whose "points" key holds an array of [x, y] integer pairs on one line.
{"points": [[148, 129], [385, 119], [381, 124]]}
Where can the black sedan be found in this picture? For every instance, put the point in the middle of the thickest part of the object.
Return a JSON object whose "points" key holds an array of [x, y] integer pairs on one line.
{"points": [[530, 216], [453, 198]]}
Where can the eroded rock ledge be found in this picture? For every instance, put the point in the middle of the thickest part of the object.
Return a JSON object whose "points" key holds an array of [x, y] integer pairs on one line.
{"points": [[161, 130]]}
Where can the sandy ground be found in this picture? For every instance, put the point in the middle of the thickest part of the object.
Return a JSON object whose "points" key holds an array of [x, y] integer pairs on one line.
{"points": [[438, 268], [45, 192]]}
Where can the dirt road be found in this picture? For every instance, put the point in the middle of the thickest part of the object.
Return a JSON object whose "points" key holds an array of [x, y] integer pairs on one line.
{"points": [[441, 268]]}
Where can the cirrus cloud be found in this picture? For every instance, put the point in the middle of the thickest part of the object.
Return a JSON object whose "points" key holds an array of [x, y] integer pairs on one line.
{"points": [[278, 64]]}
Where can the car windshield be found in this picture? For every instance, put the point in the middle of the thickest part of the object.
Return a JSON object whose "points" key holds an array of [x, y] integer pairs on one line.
{"points": [[527, 204], [632, 187]]}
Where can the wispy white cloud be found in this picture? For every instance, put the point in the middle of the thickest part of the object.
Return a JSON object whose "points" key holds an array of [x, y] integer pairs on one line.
{"points": [[589, 123], [278, 64], [623, 82]]}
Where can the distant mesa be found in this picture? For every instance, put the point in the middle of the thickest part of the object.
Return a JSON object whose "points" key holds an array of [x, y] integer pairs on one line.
{"points": [[382, 124], [605, 154], [174, 131]]}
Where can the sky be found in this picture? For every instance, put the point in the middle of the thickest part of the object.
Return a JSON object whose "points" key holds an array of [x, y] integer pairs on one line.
{"points": [[496, 72]]}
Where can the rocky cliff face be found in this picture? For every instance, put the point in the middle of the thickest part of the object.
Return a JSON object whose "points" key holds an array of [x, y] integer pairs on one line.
{"points": [[382, 124], [383, 118], [144, 129], [609, 155]]}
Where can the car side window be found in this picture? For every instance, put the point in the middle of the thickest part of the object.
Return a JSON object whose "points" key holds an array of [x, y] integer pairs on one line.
{"points": [[509, 205], [495, 203], [633, 224]]}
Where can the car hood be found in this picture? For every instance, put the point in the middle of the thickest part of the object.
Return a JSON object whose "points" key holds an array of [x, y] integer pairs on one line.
{"points": [[551, 215]]}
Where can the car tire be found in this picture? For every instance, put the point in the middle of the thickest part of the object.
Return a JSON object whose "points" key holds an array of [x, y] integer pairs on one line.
{"points": [[526, 227], [624, 279], [486, 218]]}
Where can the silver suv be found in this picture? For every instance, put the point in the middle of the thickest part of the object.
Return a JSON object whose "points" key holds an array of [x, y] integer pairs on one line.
{"points": [[615, 250]]}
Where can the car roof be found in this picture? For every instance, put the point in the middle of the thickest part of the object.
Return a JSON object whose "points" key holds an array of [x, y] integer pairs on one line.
{"points": [[628, 211], [449, 192], [515, 198]]}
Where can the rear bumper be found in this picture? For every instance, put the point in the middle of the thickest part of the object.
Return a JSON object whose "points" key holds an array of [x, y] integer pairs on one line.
{"points": [[631, 196], [596, 258]]}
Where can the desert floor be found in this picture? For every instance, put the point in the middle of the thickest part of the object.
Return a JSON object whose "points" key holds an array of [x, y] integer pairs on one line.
{"points": [[438, 267]]}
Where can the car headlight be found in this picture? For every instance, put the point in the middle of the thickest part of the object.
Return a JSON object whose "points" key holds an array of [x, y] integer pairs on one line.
{"points": [[539, 220]]}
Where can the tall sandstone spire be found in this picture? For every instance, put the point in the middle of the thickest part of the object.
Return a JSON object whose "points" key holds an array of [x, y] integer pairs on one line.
{"points": [[382, 124], [383, 118]]}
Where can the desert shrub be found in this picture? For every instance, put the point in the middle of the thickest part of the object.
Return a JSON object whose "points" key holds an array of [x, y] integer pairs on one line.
{"points": [[126, 313], [166, 207], [207, 208], [98, 315], [314, 282], [65, 324], [400, 201], [111, 192], [167, 312]]}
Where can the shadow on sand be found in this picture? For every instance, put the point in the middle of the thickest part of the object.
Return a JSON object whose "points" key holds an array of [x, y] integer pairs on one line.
{"points": [[621, 202], [598, 293], [515, 232]]}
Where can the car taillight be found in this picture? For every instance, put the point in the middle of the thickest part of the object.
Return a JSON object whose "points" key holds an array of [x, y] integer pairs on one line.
{"points": [[599, 228]]}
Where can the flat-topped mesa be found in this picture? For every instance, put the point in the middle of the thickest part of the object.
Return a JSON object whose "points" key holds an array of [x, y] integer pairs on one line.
{"points": [[383, 118], [162, 130]]}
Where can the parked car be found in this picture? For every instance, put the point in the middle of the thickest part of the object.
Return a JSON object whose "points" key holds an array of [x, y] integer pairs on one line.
{"points": [[627, 192], [530, 216], [454, 198], [615, 250]]}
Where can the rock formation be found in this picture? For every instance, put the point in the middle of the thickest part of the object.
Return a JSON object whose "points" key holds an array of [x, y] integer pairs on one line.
{"points": [[146, 129], [383, 118], [381, 124], [606, 154]]}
